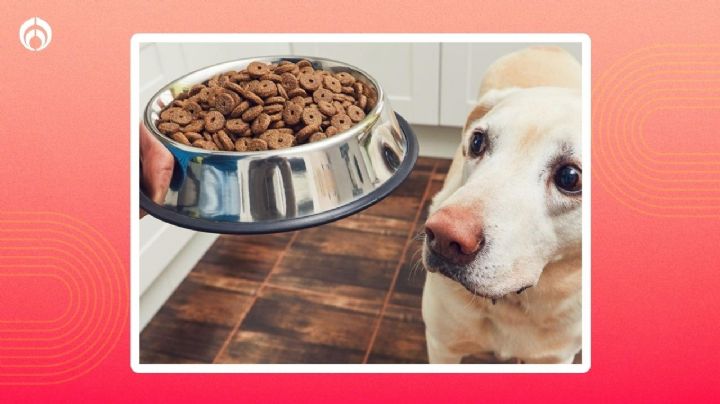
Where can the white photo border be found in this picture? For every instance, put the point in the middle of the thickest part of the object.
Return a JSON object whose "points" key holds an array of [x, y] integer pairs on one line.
{"points": [[135, 116]]}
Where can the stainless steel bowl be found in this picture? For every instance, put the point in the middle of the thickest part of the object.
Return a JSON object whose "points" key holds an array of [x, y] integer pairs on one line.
{"points": [[288, 189]]}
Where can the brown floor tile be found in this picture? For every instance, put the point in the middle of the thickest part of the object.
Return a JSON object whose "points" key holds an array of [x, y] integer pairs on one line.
{"points": [[194, 322], [443, 165], [355, 257], [357, 277], [401, 337], [409, 285], [244, 257], [295, 327], [337, 240], [404, 202], [367, 222], [150, 356]]}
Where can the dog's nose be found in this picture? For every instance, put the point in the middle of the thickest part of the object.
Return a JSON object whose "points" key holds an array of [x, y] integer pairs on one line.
{"points": [[456, 233]]}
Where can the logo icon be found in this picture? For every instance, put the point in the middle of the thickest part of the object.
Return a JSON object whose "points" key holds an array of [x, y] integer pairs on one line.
{"points": [[35, 34]]}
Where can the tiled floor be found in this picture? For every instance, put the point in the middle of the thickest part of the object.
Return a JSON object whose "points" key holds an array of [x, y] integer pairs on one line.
{"points": [[346, 292]]}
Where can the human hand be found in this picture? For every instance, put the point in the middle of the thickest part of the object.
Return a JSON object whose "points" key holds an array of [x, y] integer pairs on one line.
{"points": [[157, 166]]}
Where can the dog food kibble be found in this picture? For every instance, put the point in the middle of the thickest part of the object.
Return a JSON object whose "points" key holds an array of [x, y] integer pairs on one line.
{"points": [[267, 107]]}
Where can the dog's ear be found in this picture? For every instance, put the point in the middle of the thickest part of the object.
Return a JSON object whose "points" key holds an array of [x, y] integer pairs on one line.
{"points": [[486, 102]]}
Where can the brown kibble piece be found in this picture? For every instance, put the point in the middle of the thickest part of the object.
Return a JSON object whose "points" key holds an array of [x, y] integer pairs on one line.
{"points": [[327, 108], [341, 121], [256, 145], [322, 95], [205, 144], [252, 97], [182, 117], [297, 92], [214, 121], [289, 81], [194, 90], [339, 109], [272, 77], [193, 107], [195, 126], [285, 67], [203, 94], [225, 103], [193, 136], [299, 100], [236, 126], [168, 128], [238, 111], [292, 113], [355, 113], [275, 100], [252, 113], [279, 140], [282, 92], [316, 137], [273, 108], [180, 137], [258, 69], [266, 88], [236, 98], [345, 78], [241, 144], [307, 70], [332, 84], [303, 134], [168, 113], [234, 87], [260, 124], [309, 81], [311, 116], [362, 102], [225, 140], [331, 131]]}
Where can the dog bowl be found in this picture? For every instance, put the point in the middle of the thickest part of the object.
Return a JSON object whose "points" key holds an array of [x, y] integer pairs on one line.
{"points": [[288, 189]]}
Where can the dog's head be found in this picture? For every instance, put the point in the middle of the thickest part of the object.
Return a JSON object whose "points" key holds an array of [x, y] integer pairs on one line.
{"points": [[512, 201]]}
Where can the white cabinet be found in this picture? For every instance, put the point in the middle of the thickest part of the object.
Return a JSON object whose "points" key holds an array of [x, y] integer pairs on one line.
{"points": [[462, 66], [408, 72], [159, 242]]}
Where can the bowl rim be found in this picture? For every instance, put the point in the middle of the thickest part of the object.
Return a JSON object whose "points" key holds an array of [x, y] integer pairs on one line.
{"points": [[357, 129]]}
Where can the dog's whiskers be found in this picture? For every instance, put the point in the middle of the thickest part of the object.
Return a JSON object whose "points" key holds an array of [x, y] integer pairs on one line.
{"points": [[420, 236]]}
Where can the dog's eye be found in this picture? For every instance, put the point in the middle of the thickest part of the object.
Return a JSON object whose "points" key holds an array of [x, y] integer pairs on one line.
{"points": [[478, 143], [568, 179]]}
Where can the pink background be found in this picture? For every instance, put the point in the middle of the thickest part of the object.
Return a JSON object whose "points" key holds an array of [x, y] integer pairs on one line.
{"points": [[656, 200]]}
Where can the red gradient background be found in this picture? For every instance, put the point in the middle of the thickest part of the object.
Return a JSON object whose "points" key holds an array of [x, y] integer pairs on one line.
{"points": [[656, 199]]}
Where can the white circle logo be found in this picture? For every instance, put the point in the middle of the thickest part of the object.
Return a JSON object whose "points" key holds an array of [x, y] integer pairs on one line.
{"points": [[35, 34]]}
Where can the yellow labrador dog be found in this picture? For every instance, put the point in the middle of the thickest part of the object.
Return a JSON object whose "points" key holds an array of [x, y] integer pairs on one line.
{"points": [[503, 239]]}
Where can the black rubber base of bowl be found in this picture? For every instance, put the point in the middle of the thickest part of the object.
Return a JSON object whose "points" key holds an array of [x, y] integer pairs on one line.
{"points": [[278, 226]]}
